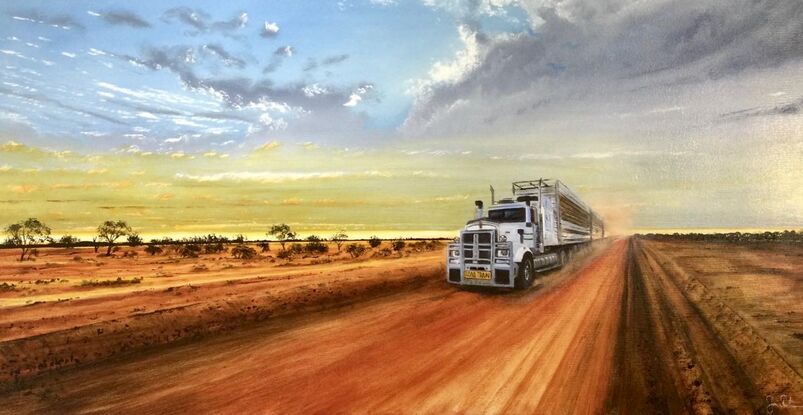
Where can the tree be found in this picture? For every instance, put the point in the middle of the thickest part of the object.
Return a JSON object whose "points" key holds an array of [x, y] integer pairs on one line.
{"points": [[68, 241], [283, 233], [110, 231], [134, 239], [26, 233], [339, 238], [374, 241]]}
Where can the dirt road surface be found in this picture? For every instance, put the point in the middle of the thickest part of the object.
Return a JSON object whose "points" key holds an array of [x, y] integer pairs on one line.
{"points": [[620, 331]]}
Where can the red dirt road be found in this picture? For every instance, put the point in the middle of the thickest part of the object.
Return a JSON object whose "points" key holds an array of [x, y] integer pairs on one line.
{"points": [[636, 327], [435, 350]]}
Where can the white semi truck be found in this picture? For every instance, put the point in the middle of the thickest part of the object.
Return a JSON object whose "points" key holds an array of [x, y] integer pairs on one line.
{"points": [[535, 230]]}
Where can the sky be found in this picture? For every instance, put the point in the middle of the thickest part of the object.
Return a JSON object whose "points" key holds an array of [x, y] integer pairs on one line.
{"points": [[391, 117]]}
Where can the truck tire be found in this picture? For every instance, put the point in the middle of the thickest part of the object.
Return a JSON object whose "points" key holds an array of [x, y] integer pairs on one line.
{"points": [[526, 274]]}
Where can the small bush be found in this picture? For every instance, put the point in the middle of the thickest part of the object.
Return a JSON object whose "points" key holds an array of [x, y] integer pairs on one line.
{"points": [[264, 246], [243, 252], [7, 287], [199, 268], [374, 241], [214, 248], [153, 250], [110, 283], [397, 244], [286, 254], [296, 248], [134, 239], [130, 254], [383, 252], [189, 250], [315, 245], [355, 250]]}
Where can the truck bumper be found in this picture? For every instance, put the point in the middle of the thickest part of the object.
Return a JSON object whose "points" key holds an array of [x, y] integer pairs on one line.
{"points": [[502, 275]]}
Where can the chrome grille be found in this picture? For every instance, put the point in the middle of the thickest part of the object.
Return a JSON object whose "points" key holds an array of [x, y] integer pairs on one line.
{"points": [[477, 247]]}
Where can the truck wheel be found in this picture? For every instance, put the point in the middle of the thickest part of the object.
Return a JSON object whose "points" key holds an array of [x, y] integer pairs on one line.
{"points": [[526, 274]]}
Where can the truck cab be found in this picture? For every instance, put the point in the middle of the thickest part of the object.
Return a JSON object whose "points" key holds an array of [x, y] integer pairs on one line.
{"points": [[501, 249]]}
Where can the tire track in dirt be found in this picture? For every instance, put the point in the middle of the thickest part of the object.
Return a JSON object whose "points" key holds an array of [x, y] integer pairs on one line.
{"points": [[680, 349]]}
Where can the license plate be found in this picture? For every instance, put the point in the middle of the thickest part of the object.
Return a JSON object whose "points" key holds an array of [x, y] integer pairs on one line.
{"points": [[478, 275]]}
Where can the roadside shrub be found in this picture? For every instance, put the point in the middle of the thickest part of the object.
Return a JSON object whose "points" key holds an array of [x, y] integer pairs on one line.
{"points": [[130, 254], [355, 250], [153, 250], [397, 244], [134, 239], [264, 246], [214, 248], [315, 245], [374, 241], [384, 252], [286, 254], [296, 248], [68, 241], [199, 268], [243, 252], [110, 283], [189, 250]]}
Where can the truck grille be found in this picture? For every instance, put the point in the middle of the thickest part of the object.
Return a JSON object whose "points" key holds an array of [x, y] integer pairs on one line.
{"points": [[477, 247]]}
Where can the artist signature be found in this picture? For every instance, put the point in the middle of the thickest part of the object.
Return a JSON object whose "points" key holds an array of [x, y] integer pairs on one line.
{"points": [[783, 402]]}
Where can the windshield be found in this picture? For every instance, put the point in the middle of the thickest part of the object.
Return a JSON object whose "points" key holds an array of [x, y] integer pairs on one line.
{"points": [[507, 215]]}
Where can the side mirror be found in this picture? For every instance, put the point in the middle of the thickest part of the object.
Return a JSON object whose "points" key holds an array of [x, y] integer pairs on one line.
{"points": [[521, 235]]}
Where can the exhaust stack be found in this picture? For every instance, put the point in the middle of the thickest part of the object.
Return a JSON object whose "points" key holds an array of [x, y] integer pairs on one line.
{"points": [[478, 204]]}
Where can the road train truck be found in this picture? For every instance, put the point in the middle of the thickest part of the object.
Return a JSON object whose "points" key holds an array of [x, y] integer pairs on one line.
{"points": [[539, 228]]}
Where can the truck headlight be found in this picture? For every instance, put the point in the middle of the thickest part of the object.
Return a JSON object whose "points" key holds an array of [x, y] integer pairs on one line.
{"points": [[454, 253], [502, 238], [502, 252]]}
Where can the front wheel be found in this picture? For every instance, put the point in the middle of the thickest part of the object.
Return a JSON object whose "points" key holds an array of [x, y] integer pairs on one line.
{"points": [[526, 274]]}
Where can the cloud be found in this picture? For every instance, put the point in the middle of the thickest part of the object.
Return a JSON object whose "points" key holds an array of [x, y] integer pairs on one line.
{"points": [[357, 96], [268, 146], [61, 21], [789, 108], [313, 64], [200, 20], [192, 17], [227, 58], [269, 30], [286, 51], [125, 18], [576, 48], [277, 58], [237, 22], [35, 96]]}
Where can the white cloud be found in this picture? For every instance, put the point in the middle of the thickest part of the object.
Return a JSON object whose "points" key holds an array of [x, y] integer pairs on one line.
{"points": [[354, 99], [147, 115], [68, 54], [187, 123], [271, 28]]}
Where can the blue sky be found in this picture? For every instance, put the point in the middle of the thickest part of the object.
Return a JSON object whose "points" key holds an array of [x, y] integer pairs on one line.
{"points": [[92, 55]]}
